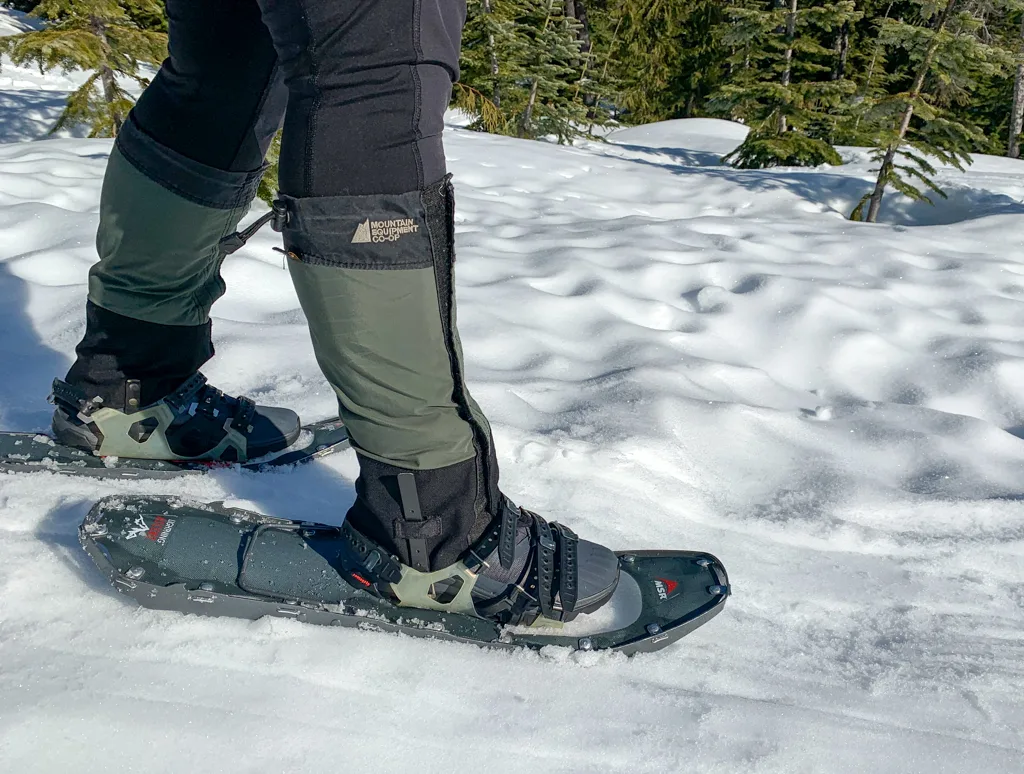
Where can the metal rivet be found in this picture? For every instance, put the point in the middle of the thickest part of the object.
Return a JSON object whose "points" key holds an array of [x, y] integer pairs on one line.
{"points": [[703, 562], [135, 573], [629, 558], [718, 589], [133, 401], [206, 586], [653, 628], [586, 644]]}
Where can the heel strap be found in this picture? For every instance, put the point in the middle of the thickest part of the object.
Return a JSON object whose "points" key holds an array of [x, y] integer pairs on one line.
{"points": [[73, 400]]}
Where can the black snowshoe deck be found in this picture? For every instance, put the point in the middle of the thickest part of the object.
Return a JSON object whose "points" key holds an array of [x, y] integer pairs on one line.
{"points": [[207, 559], [33, 452]]}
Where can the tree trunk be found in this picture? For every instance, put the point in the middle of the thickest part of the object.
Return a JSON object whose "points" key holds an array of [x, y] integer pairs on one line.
{"points": [[915, 91], [1017, 110], [575, 9], [843, 52], [787, 71], [496, 96], [569, 10], [528, 112], [107, 78]]}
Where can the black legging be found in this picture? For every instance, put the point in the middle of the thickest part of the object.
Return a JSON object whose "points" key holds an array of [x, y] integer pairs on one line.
{"points": [[365, 82]]}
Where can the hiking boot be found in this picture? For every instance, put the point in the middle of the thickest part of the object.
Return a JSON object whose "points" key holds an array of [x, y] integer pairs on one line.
{"points": [[520, 570], [195, 422]]}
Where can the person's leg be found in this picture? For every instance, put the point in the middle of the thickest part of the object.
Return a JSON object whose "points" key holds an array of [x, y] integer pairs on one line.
{"points": [[182, 173], [370, 229]]}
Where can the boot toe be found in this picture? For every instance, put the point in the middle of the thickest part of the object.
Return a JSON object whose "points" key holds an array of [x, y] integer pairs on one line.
{"points": [[598, 575], [273, 429]]}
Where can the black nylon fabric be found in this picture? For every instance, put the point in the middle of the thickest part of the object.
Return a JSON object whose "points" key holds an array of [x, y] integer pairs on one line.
{"points": [[361, 88], [116, 348], [368, 83], [219, 97], [389, 231], [185, 177], [448, 499]]}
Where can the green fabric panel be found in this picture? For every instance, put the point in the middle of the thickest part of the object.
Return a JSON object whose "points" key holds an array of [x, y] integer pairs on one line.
{"points": [[159, 258], [378, 339]]}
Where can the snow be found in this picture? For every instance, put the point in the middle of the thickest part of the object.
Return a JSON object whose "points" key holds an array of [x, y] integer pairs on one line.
{"points": [[673, 354]]}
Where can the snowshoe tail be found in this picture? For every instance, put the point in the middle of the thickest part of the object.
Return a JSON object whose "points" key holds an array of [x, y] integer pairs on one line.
{"points": [[207, 559]]}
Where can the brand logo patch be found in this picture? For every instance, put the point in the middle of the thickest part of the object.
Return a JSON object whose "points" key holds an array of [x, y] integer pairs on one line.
{"points": [[384, 230], [139, 527], [158, 532], [664, 587]]}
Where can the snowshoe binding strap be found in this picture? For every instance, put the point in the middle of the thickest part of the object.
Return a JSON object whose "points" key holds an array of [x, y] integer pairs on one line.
{"points": [[549, 582], [545, 585], [365, 564], [187, 393], [73, 401]]}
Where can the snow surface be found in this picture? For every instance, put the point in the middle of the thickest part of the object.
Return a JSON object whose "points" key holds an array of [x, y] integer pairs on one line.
{"points": [[673, 354]]}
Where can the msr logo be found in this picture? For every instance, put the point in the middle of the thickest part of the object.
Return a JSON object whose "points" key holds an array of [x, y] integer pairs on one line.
{"points": [[664, 587], [158, 532], [139, 527]]}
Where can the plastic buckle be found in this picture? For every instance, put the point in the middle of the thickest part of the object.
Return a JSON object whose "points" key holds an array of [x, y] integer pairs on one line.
{"points": [[280, 216]]}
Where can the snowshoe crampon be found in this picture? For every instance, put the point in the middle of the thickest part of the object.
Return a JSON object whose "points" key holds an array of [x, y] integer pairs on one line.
{"points": [[208, 559], [33, 452]]}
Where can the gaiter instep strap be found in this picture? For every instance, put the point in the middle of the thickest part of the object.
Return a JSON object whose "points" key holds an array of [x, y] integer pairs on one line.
{"points": [[413, 514]]}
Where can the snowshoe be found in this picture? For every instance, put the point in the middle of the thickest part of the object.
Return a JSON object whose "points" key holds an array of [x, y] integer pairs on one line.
{"points": [[193, 429], [209, 559]]}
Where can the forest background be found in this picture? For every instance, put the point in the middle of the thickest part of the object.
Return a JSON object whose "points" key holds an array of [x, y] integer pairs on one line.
{"points": [[921, 82]]}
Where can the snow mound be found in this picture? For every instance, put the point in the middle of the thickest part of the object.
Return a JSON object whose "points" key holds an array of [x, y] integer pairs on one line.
{"points": [[711, 136]]}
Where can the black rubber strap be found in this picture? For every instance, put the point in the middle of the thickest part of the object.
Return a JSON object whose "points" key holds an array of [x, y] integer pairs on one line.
{"points": [[411, 512], [568, 567], [72, 399], [507, 535], [181, 397], [375, 564], [544, 565], [243, 418]]}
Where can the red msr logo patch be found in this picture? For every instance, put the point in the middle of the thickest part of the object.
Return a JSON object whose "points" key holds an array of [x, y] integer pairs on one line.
{"points": [[664, 587], [158, 524]]}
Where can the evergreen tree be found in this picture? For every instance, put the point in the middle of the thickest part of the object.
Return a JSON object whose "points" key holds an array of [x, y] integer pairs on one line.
{"points": [[783, 85], [110, 38], [525, 72], [945, 56], [492, 65], [669, 56]]}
